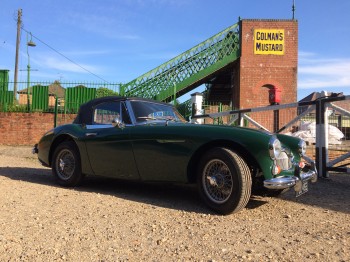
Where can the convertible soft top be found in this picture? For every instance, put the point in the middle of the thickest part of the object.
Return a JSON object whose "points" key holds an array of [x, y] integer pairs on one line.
{"points": [[86, 110]]}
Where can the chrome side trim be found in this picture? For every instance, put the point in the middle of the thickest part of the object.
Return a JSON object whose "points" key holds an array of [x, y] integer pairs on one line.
{"points": [[163, 141]]}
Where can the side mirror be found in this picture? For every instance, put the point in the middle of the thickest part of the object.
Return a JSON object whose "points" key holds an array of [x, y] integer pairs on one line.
{"points": [[118, 123]]}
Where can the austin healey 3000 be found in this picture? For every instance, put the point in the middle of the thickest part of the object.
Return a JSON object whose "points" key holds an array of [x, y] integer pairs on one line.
{"points": [[140, 139]]}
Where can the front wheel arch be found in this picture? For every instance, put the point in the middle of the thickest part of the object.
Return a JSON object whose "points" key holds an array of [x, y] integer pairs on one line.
{"points": [[236, 147]]}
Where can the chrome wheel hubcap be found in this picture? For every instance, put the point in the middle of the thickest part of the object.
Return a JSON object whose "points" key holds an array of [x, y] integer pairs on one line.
{"points": [[65, 164], [217, 181]]}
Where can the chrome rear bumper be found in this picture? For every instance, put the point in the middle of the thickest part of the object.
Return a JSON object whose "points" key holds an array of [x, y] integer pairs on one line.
{"points": [[35, 149]]}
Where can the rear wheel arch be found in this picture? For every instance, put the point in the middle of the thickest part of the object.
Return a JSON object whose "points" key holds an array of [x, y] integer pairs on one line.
{"points": [[58, 140], [235, 147]]}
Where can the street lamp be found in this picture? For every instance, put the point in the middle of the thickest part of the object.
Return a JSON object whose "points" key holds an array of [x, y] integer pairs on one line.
{"points": [[32, 44]]}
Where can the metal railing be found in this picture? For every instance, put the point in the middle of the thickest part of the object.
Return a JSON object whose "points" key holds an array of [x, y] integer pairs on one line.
{"points": [[323, 123]]}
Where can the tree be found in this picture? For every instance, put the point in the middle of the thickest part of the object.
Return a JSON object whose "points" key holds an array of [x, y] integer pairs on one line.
{"points": [[104, 91]]}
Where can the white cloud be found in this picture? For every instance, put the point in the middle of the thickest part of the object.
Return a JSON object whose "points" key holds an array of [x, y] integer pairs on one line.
{"points": [[317, 72], [106, 26], [51, 62], [86, 52]]}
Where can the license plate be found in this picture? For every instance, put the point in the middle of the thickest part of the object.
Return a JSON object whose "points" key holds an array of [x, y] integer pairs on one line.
{"points": [[304, 189]]}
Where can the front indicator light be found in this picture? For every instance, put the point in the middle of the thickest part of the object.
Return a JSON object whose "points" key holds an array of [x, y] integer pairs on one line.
{"points": [[302, 164], [276, 170]]}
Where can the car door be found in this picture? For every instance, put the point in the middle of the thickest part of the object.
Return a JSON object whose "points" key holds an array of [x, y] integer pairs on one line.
{"points": [[161, 152], [109, 147]]}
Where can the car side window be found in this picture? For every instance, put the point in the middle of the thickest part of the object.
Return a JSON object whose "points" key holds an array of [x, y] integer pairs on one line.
{"points": [[125, 114], [105, 113]]}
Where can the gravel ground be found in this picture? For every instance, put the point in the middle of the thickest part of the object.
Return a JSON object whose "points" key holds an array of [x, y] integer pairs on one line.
{"points": [[110, 220]]}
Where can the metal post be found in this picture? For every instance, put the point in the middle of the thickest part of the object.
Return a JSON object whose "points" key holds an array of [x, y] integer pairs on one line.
{"points": [[18, 39], [240, 119], [32, 44], [28, 83], [56, 112], [322, 138], [293, 10], [121, 90], [276, 120], [197, 101]]}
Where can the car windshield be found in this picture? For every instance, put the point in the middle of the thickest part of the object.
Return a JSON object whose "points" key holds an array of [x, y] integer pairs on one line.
{"points": [[148, 111]]}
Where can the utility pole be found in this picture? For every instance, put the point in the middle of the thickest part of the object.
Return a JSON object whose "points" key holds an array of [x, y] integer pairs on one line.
{"points": [[19, 22]]}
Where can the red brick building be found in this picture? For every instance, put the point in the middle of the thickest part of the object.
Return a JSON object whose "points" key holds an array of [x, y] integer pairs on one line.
{"points": [[276, 65], [269, 59]]}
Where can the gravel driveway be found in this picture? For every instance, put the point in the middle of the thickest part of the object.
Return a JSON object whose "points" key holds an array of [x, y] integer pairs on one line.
{"points": [[109, 220]]}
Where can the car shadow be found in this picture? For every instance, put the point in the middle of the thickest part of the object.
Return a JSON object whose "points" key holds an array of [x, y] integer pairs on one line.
{"points": [[179, 197], [329, 194]]}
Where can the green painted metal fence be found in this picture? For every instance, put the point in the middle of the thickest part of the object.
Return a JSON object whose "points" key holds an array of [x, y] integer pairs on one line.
{"points": [[4, 79], [40, 98], [75, 96], [6, 100]]}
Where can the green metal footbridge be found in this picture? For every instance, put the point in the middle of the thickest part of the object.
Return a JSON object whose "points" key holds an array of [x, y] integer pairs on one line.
{"points": [[189, 69]]}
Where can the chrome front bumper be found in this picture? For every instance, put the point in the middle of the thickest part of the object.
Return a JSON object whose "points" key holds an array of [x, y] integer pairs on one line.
{"points": [[295, 181]]}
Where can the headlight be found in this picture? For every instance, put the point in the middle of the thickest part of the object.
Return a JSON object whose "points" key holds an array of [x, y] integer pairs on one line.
{"points": [[275, 148], [302, 147]]}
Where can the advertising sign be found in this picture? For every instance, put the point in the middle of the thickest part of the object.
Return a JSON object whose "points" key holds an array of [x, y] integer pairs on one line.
{"points": [[269, 41]]}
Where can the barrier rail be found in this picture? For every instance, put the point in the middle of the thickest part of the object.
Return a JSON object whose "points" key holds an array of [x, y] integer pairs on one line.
{"points": [[321, 116]]}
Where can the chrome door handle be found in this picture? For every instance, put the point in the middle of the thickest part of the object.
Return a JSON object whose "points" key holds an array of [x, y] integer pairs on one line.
{"points": [[91, 134]]}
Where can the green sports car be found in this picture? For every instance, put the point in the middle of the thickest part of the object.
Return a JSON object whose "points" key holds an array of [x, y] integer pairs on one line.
{"points": [[140, 139]]}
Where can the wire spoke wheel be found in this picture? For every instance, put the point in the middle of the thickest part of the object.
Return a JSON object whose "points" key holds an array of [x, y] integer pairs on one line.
{"points": [[65, 164], [217, 181], [224, 180]]}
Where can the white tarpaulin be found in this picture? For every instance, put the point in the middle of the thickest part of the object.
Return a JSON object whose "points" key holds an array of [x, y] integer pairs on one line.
{"points": [[307, 131]]}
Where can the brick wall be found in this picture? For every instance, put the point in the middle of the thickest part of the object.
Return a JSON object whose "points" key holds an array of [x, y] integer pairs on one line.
{"points": [[27, 128], [260, 70]]}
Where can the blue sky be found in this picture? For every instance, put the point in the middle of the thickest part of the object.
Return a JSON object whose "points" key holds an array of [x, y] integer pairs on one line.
{"points": [[118, 40]]}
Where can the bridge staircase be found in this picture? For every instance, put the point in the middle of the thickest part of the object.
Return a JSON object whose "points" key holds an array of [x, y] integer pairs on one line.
{"points": [[199, 65]]}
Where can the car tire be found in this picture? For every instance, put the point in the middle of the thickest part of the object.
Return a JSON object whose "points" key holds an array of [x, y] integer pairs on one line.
{"points": [[66, 164], [224, 181]]}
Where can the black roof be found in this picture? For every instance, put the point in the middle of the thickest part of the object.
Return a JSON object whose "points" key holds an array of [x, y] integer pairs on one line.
{"points": [[86, 110]]}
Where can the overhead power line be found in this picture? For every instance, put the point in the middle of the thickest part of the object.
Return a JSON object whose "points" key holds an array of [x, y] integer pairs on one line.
{"points": [[70, 60]]}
